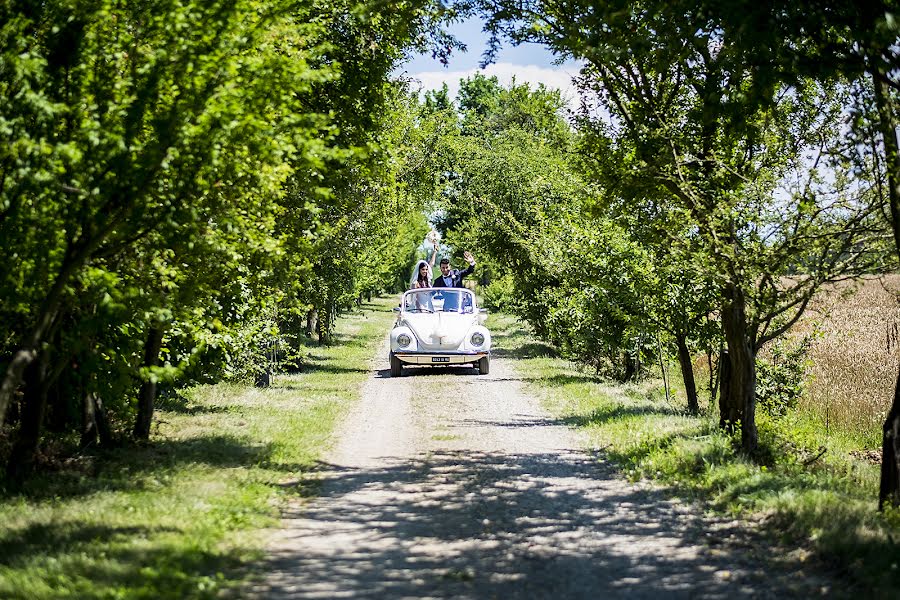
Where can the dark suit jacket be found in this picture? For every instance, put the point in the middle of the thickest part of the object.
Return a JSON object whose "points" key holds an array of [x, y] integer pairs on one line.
{"points": [[456, 275]]}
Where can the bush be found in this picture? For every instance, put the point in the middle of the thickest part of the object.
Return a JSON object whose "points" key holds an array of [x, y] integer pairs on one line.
{"points": [[500, 293], [780, 377]]}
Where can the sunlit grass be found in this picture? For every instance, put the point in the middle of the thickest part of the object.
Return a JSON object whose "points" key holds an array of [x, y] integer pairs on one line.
{"points": [[825, 505], [183, 516]]}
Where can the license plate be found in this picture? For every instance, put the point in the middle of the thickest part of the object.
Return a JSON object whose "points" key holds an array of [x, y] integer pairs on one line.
{"points": [[435, 359]]}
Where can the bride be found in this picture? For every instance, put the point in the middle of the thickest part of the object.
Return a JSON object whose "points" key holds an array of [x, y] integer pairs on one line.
{"points": [[421, 275]]}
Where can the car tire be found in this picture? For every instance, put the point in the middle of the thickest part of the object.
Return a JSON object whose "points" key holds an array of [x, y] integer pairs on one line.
{"points": [[396, 366], [484, 365]]}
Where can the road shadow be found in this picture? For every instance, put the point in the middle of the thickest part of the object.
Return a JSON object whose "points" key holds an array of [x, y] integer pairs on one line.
{"points": [[429, 371], [515, 422], [616, 412], [465, 524]]}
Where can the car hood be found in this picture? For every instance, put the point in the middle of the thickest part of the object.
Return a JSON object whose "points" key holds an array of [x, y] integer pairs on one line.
{"points": [[440, 330]]}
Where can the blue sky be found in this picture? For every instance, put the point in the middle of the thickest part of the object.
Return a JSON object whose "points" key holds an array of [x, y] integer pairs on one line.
{"points": [[529, 62]]}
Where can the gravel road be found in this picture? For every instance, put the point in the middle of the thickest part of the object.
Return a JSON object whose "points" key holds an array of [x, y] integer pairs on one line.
{"points": [[449, 484]]}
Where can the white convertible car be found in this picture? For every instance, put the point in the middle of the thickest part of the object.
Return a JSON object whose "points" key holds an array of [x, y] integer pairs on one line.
{"points": [[440, 326]]}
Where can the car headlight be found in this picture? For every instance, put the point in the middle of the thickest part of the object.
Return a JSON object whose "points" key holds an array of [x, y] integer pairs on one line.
{"points": [[403, 340], [477, 338]]}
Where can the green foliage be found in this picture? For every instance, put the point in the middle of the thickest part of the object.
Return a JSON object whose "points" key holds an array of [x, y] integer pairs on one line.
{"points": [[516, 198], [218, 171], [489, 109], [713, 165], [500, 293], [185, 516], [438, 100], [781, 376]]}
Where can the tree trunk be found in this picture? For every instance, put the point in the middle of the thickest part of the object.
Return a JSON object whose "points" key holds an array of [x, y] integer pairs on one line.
{"points": [[322, 328], [12, 379], [741, 397], [729, 416], [95, 423], [687, 373], [631, 368], [60, 415], [104, 431], [30, 344], [889, 490], [147, 393], [21, 459], [713, 376], [311, 321], [326, 322], [662, 368], [88, 420]]}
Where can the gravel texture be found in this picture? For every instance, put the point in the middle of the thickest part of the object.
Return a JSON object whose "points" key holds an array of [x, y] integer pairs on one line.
{"points": [[449, 484]]}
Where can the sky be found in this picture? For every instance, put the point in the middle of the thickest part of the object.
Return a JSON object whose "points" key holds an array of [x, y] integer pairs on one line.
{"points": [[527, 63]]}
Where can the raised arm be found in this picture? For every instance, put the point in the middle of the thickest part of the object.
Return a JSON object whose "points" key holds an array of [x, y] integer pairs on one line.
{"points": [[471, 268], [433, 256]]}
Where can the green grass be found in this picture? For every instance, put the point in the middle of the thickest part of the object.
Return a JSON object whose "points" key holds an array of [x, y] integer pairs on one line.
{"points": [[184, 516], [824, 506]]}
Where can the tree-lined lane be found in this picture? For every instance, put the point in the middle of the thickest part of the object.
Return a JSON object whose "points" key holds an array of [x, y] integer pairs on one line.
{"points": [[449, 484]]}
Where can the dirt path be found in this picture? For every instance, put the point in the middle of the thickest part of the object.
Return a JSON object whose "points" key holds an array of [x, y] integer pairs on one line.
{"points": [[448, 484]]}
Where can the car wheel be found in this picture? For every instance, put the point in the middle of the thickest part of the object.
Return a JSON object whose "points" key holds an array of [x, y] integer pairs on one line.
{"points": [[484, 365], [396, 366]]}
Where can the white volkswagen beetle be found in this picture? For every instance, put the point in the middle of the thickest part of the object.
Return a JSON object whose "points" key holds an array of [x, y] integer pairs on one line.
{"points": [[440, 326]]}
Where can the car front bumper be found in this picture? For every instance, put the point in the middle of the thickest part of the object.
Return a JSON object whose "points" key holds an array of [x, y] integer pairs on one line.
{"points": [[440, 358]]}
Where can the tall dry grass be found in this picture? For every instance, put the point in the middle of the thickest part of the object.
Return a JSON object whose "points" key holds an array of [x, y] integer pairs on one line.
{"points": [[854, 355]]}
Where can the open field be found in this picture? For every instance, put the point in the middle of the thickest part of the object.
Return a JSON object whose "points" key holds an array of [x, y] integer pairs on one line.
{"points": [[854, 357]]}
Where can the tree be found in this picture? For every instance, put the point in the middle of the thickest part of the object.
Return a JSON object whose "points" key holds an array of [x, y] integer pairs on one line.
{"points": [[438, 100], [670, 88], [144, 114], [166, 173], [512, 194], [835, 42]]}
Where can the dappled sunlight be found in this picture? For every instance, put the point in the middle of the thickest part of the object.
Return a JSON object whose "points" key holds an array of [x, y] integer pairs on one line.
{"points": [[610, 412], [515, 422], [429, 371], [74, 558], [504, 525]]}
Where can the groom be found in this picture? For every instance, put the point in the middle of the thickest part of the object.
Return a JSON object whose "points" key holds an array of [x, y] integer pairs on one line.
{"points": [[453, 277]]}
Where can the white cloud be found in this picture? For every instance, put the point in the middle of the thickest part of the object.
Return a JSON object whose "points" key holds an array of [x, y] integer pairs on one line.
{"points": [[555, 77]]}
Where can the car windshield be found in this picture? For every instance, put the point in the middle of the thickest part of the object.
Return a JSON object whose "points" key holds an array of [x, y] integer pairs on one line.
{"points": [[439, 300]]}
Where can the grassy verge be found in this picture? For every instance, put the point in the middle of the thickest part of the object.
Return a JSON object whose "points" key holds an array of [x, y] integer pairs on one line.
{"points": [[824, 505], [181, 517]]}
